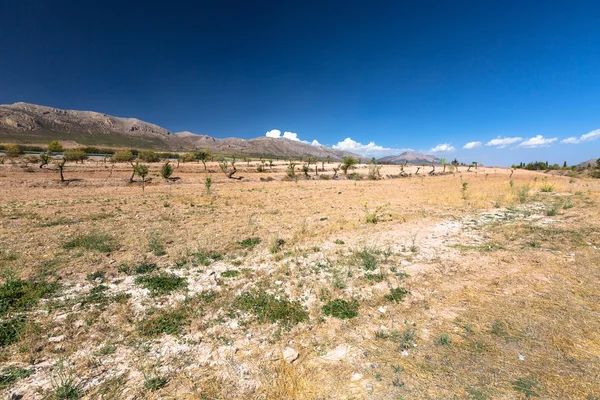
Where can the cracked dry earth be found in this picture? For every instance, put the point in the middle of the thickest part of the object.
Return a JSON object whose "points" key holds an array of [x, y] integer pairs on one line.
{"points": [[499, 303]]}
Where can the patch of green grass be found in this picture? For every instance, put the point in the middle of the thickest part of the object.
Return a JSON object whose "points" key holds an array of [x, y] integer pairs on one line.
{"points": [[547, 188], [161, 284], [94, 241], [374, 278], [66, 388], [250, 242], [366, 259], [21, 295], [97, 296], [107, 349], [526, 386], [230, 273], [95, 275], [340, 242], [155, 383], [206, 257], [143, 267], [342, 309], [169, 322], [397, 294], [10, 375], [10, 331], [475, 394], [499, 328], [267, 307]]}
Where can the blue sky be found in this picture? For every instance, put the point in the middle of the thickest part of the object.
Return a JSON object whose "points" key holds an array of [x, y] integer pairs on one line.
{"points": [[421, 75]]}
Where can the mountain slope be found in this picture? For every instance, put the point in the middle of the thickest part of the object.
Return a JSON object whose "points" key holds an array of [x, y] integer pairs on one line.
{"points": [[30, 123], [411, 158], [592, 162]]}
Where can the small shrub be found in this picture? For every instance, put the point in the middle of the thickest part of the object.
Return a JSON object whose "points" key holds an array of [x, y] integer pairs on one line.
{"points": [[367, 259], [208, 184], [95, 275], [169, 322], [95, 241], [267, 307], [156, 244], [342, 309], [250, 242], [523, 193], [396, 294], [10, 331], [547, 188], [166, 171], [161, 284], [10, 375]]}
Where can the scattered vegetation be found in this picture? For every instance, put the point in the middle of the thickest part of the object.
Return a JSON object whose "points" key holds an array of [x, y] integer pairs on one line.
{"points": [[342, 309], [94, 241], [268, 308], [165, 321], [161, 284]]}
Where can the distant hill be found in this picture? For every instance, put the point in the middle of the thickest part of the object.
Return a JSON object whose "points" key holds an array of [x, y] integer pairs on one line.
{"points": [[31, 123], [411, 158], [591, 162]]}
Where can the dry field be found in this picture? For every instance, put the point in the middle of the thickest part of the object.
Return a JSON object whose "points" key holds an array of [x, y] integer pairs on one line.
{"points": [[408, 288]]}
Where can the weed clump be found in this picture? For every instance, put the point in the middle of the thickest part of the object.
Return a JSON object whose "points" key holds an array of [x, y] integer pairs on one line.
{"points": [[367, 259], [230, 273], [342, 309], [396, 294], [250, 242], [21, 295], [526, 386], [95, 241], [169, 322], [10, 331], [10, 375], [155, 383], [161, 284], [206, 257], [269, 308]]}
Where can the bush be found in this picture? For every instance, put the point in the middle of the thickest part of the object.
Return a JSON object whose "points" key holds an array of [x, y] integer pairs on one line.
{"points": [[74, 155], [123, 156], [166, 171], [267, 307], [12, 150], [341, 309], [149, 156], [10, 331], [367, 259], [397, 294], [250, 242]]}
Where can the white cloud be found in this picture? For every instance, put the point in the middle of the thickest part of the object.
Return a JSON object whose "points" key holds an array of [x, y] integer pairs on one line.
{"points": [[273, 133], [588, 137], [472, 145], [442, 147], [315, 143], [503, 142], [370, 149], [291, 136], [537, 141]]}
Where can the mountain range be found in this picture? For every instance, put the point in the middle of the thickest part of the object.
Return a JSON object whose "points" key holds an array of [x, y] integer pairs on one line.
{"points": [[36, 124]]}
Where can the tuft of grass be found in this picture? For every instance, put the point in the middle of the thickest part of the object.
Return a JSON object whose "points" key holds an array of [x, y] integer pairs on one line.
{"points": [[267, 307], [169, 322], [22, 295], [397, 294], [445, 340], [547, 188], [499, 328], [155, 383], [230, 273], [10, 331], [342, 309], [526, 386], [161, 284], [97, 296], [206, 257], [551, 211], [94, 241], [92, 276], [156, 244], [276, 245], [340, 242], [366, 259], [523, 193], [250, 242], [10, 375], [66, 388]]}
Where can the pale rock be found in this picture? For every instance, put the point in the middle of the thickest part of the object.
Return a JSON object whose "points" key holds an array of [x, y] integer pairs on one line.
{"points": [[290, 355]]}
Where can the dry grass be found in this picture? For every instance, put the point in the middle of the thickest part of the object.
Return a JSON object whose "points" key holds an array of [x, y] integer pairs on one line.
{"points": [[513, 290]]}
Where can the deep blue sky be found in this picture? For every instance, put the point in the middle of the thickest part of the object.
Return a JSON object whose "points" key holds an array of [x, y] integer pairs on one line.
{"points": [[401, 74]]}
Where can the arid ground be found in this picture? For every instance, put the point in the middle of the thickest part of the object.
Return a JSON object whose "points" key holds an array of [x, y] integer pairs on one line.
{"points": [[419, 287]]}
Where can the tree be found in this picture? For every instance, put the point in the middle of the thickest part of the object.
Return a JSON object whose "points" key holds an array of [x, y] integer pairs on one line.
{"points": [[205, 155], [598, 163], [166, 171], [55, 147], [224, 165], [475, 163], [141, 170], [348, 162], [44, 158], [188, 157], [328, 158], [149, 156], [75, 155], [443, 162], [123, 156], [61, 165]]}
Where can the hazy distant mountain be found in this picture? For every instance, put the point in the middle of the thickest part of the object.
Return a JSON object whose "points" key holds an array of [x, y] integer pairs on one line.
{"points": [[591, 162], [411, 158], [30, 123]]}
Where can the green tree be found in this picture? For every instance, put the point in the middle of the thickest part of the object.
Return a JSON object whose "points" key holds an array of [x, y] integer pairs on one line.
{"points": [[443, 162], [348, 162], [55, 147], [166, 171], [12, 150], [141, 170], [149, 156], [203, 156], [75, 155]]}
